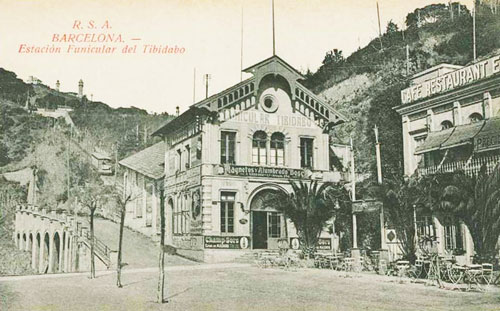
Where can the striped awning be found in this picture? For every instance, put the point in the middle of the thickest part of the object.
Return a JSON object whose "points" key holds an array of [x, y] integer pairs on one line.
{"points": [[434, 141], [463, 135]]}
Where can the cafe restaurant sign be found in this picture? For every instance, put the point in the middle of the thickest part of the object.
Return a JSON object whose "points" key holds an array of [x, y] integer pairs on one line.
{"points": [[452, 80], [269, 172]]}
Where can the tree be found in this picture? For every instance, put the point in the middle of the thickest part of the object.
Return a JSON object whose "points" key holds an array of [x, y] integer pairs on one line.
{"points": [[121, 199], [309, 207], [474, 200], [161, 257], [391, 27], [334, 57], [400, 198], [93, 196]]}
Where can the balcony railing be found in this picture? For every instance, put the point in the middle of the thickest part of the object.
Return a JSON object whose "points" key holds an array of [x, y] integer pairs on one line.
{"points": [[471, 167]]}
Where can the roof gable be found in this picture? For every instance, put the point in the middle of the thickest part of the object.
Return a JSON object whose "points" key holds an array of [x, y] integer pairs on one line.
{"points": [[149, 162]]}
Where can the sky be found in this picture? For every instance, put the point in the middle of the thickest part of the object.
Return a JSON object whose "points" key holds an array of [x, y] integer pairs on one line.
{"points": [[209, 31]]}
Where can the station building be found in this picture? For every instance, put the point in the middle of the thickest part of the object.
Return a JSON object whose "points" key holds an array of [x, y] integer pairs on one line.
{"points": [[226, 153], [451, 120], [143, 182]]}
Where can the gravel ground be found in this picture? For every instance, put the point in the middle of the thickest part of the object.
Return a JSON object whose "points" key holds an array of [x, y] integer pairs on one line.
{"points": [[239, 288]]}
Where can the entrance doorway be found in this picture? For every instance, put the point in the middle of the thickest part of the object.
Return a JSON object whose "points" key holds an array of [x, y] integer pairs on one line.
{"points": [[259, 229], [267, 224]]}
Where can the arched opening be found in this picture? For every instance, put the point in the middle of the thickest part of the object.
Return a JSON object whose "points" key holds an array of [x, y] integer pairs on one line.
{"points": [[36, 252], [475, 117], [24, 242], [57, 252], [267, 224], [18, 240], [259, 149], [45, 253], [29, 247], [276, 82], [446, 124], [64, 252]]}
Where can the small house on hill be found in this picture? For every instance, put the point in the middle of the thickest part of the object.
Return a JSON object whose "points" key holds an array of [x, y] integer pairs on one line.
{"points": [[143, 179], [102, 162]]}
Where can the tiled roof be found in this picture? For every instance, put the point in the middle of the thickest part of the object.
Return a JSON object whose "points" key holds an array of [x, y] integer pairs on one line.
{"points": [[149, 162]]}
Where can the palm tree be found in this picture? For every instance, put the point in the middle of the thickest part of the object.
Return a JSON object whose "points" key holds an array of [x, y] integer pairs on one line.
{"points": [[400, 198], [474, 200], [309, 207]]}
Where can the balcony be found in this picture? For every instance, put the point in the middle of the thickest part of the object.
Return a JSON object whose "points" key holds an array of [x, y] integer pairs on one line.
{"points": [[470, 167]]}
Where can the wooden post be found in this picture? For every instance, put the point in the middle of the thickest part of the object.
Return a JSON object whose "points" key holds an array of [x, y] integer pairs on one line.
{"points": [[161, 264]]}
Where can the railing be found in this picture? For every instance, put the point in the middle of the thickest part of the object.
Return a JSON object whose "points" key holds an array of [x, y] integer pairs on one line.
{"points": [[471, 167], [101, 249]]}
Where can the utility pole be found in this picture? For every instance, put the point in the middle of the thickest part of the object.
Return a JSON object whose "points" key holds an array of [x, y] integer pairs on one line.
{"points": [[407, 60], [194, 85], [207, 79], [241, 47], [116, 163], [68, 167], [379, 27], [383, 243], [274, 33], [474, 30], [353, 192]]}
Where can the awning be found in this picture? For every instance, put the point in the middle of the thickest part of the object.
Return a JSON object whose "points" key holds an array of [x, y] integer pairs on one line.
{"points": [[489, 136], [462, 135], [434, 141]]}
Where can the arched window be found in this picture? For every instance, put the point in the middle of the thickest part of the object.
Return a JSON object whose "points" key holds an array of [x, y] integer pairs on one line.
{"points": [[446, 124], [475, 117], [278, 149], [259, 151]]}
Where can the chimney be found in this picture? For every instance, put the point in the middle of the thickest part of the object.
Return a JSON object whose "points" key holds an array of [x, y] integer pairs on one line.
{"points": [[58, 84], [80, 88], [177, 111]]}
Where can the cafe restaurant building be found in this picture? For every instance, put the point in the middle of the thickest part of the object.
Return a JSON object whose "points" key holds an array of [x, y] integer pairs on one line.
{"points": [[451, 121], [225, 154]]}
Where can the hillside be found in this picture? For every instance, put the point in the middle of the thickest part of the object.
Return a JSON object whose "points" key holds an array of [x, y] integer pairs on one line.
{"points": [[366, 85]]}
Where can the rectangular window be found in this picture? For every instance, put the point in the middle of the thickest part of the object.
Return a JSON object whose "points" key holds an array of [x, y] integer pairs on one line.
{"points": [[306, 152], [188, 156], [453, 237], [227, 212], [273, 225], [227, 147], [179, 160]]}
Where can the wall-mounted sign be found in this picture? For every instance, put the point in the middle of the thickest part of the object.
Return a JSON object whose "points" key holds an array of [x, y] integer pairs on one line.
{"points": [[262, 118], [260, 171], [366, 206], [226, 242], [391, 236], [452, 80], [323, 244]]}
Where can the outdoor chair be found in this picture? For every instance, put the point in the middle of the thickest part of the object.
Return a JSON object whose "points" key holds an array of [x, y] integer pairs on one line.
{"points": [[473, 276], [487, 273], [402, 268]]}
